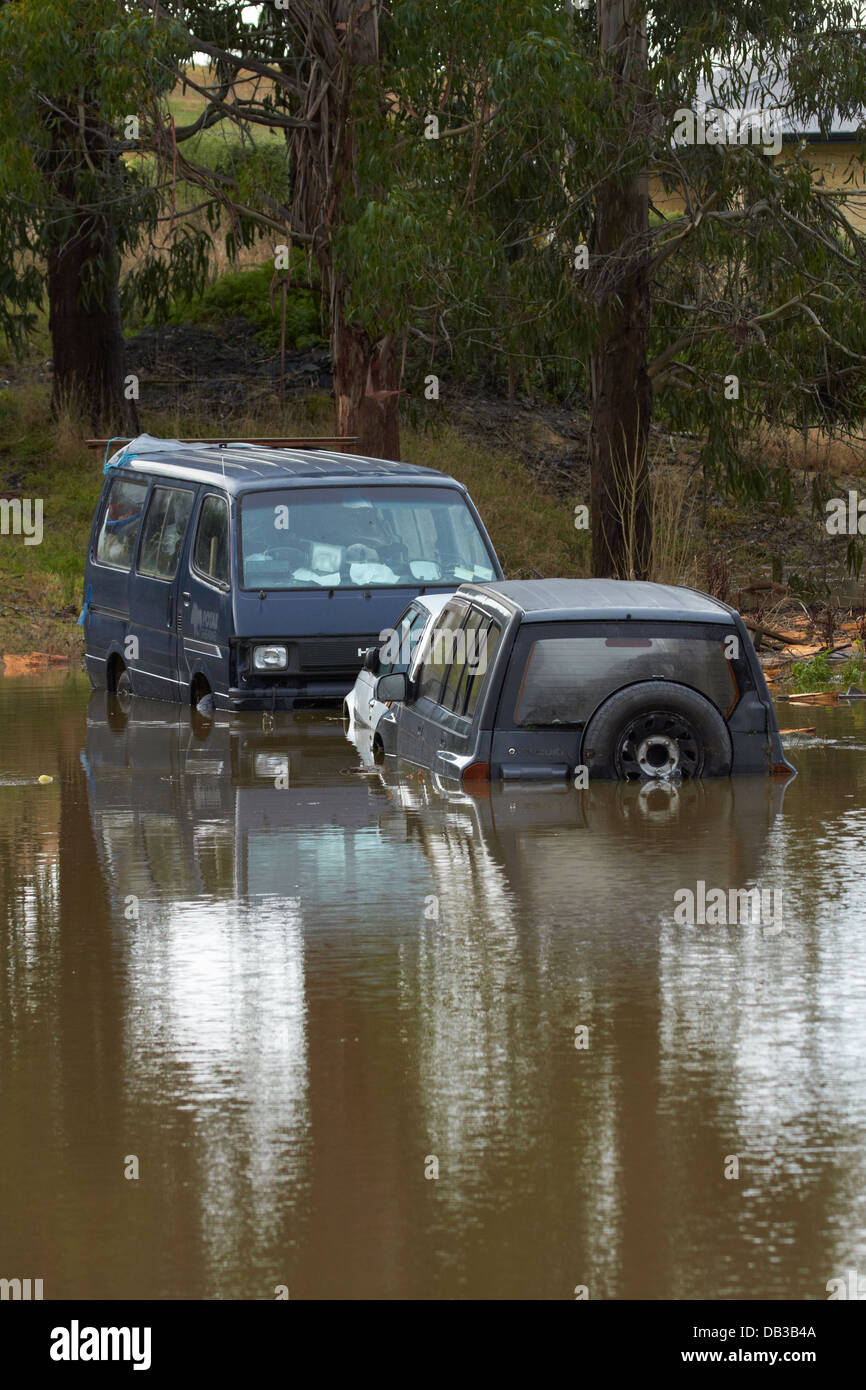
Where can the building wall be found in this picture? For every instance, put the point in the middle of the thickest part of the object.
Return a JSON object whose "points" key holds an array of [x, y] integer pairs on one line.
{"points": [[832, 162]]}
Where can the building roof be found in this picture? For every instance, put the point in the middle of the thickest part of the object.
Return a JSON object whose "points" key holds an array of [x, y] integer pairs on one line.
{"points": [[749, 91], [550, 600], [237, 467]]}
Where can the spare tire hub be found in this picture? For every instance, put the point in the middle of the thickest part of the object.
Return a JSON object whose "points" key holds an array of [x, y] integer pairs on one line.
{"points": [[658, 756], [658, 745]]}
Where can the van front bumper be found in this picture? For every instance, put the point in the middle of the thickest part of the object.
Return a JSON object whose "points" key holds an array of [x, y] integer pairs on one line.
{"points": [[299, 695]]}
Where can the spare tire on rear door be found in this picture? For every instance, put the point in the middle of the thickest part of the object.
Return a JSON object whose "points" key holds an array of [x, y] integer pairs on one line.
{"points": [[656, 729]]}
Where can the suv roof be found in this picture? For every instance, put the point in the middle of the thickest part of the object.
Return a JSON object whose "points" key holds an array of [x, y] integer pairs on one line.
{"points": [[238, 467], [549, 600]]}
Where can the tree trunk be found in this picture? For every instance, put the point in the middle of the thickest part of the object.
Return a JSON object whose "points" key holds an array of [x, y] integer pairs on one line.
{"points": [[366, 388], [621, 388], [366, 372], [88, 348]]}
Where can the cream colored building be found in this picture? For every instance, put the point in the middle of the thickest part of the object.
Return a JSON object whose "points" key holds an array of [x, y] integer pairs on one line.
{"points": [[837, 165], [760, 113]]}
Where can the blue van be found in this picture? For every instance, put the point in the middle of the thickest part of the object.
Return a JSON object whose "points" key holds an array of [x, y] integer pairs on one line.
{"points": [[259, 577]]}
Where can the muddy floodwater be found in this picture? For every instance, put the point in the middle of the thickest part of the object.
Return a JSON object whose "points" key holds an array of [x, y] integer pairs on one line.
{"points": [[271, 1020]]}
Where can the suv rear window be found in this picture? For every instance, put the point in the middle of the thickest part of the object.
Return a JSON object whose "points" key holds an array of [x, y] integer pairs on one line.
{"points": [[561, 679]]}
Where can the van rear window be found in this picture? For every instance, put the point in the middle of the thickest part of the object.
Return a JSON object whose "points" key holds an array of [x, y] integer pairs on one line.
{"points": [[304, 538], [562, 680]]}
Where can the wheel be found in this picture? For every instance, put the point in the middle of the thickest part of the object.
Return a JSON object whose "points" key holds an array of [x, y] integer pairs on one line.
{"points": [[123, 689], [201, 696], [656, 729]]}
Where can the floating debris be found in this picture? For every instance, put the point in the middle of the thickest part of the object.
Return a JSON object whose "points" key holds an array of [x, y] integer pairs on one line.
{"points": [[815, 697]]}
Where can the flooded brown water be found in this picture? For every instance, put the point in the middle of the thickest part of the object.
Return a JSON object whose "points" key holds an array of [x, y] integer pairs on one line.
{"points": [[361, 1038]]}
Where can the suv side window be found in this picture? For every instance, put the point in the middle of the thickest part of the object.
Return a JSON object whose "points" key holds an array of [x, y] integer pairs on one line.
{"points": [[487, 641], [440, 652], [408, 635], [466, 654], [163, 532], [211, 553], [116, 543]]}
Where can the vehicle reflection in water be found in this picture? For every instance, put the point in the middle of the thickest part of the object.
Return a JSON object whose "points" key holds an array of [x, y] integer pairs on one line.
{"points": [[536, 941], [288, 980]]}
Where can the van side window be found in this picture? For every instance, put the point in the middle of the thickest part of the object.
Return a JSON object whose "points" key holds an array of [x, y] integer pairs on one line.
{"points": [[163, 531], [441, 646], [116, 543], [211, 555], [487, 640]]}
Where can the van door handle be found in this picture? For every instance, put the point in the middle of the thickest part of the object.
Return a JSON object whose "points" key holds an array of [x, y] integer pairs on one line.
{"points": [[186, 597]]}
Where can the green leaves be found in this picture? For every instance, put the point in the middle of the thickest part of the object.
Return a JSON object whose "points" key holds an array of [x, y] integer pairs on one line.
{"points": [[71, 73], [465, 243]]}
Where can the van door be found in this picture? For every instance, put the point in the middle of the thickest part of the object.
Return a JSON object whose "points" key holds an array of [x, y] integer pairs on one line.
{"points": [[108, 573], [153, 592], [205, 611]]}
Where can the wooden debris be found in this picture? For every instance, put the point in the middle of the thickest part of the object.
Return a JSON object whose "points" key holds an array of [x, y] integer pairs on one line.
{"points": [[761, 630], [813, 697], [15, 665], [763, 589]]}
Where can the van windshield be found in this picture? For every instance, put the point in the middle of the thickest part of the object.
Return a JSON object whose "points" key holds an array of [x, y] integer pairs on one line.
{"points": [[357, 537]]}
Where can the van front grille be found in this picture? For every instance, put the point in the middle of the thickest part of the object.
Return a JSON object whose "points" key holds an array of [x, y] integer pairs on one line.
{"points": [[332, 654]]}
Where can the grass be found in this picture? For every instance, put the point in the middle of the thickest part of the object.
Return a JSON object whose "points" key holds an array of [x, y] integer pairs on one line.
{"points": [[812, 675], [674, 544], [854, 670], [818, 673], [41, 586], [534, 536], [247, 292]]}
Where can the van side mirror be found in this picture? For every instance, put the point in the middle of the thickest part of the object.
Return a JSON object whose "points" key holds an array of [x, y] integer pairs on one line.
{"points": [[371, 659], [395, 688]]}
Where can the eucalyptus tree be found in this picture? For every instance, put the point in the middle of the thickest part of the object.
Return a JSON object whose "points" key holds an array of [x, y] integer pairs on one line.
{"points": [[695, 270], [738, 308], [713, 283], [75, 195], [483, 177]]}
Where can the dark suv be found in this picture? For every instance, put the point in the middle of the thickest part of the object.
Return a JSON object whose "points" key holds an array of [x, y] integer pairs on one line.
{"points": [[582, 678]]}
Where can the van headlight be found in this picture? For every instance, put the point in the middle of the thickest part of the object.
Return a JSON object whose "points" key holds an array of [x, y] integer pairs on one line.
{"points": [[270, 658]]}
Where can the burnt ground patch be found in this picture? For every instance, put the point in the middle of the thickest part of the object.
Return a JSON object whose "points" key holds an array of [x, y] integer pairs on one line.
{"points": [[185, 366]]}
